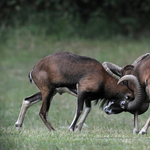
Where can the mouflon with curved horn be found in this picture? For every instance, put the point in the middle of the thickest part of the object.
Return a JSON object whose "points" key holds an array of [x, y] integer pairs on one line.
{"points": [[79, 76]]}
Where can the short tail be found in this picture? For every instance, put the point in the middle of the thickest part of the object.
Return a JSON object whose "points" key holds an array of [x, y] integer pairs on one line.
{"points": [[30, 77]]}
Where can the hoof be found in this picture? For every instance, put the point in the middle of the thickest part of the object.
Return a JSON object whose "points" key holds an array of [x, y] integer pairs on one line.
{"points": [[135, 131], [18, 126], [70, 130], [142, 132], [78, 127]]}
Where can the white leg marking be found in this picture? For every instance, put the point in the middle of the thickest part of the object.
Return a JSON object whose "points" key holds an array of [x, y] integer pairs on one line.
{"points": [[136, 127], [74, 119], [25, 105], [145, 128], [84, 116]]}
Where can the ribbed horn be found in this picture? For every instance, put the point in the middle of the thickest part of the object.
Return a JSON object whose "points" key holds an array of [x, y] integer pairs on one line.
{"points": [[140, 94], [112, 69]]}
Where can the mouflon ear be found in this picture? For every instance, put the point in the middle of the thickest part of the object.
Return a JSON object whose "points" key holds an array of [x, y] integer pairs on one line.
{"points": [[127, 69]]}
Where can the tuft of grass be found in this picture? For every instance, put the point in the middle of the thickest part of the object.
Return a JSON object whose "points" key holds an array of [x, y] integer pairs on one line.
{"points": [[19, 53]]}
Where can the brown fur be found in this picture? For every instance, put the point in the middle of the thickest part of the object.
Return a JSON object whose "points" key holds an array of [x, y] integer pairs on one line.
{"points": [[82, 76]]}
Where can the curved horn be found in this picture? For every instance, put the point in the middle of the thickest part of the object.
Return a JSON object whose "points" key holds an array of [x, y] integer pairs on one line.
{"points": [[140, 58], [112, 69], [140, 94], [143, 108]]}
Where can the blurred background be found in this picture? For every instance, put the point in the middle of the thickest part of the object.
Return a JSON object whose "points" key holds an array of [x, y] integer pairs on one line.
{"points": [[76, 18]]}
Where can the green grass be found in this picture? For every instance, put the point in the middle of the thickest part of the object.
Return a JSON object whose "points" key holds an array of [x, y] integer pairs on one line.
{"points": [[19, 53]]}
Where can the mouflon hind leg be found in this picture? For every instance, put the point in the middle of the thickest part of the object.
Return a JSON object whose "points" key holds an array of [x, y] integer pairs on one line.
{"points": [[27, 102], [47, 97]]}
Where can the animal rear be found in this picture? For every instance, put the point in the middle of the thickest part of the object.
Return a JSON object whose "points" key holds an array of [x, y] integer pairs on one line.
{"points": [[30, 77]]}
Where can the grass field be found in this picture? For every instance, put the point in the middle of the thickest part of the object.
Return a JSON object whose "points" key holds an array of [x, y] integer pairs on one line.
{"points": [[19, 53]]}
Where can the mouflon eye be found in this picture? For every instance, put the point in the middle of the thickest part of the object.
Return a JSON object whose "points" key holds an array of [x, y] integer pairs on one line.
{"points": [[127, 97], [123, 104]]}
